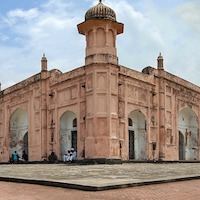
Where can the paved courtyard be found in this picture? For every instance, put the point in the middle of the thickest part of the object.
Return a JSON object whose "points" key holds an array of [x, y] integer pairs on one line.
{"points": [[184, 190], [99, 177]]}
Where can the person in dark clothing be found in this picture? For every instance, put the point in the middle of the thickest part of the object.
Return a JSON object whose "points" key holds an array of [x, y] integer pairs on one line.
{"points": [[11, 159], [24, 156]]}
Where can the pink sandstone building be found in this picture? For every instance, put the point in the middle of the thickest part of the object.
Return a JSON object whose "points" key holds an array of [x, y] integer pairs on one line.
{"points": [[103, 110]]}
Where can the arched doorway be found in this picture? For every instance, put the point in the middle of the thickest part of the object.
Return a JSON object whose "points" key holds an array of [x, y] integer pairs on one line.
{"points": [[137, 135], [25, 143], [68, 132], [19, 132], [181, 146], [188, 134]]}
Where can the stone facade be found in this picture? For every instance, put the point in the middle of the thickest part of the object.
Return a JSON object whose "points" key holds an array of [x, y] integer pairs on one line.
{"points": [[103, 110]]}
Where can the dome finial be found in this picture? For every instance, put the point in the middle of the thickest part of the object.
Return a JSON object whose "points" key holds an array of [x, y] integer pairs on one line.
{"points": [[100, 1], [160, 56]]}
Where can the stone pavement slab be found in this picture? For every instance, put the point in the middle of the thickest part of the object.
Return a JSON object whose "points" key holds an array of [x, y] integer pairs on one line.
{"points": [[99, 177]]}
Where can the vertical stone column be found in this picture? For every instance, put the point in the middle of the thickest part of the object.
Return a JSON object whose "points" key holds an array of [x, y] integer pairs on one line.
{"points": [[102, 125], [162, 117], [161, 89], [89, 115], [114, 114], [6, 131], [43, 99], [97, 114], [122, 112], [43, 119]]}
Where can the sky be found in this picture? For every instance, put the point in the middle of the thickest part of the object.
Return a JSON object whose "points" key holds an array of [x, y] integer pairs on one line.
{"points": [[29, 28]]}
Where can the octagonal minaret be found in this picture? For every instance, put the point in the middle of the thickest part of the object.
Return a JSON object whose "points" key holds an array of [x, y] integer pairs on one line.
{"points": [[100, 28]]}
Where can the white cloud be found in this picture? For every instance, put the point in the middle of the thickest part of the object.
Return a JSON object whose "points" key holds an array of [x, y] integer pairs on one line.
{"points": [[25, 14], [41, 31], [142, 39], [190, 14], [15, 16], [3, 37]]}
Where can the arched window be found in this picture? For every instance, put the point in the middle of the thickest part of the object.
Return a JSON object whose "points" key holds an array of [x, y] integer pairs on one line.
{"points": [[130, 122], [111, 38], [101, 38], [90, 41], [75, 122]]}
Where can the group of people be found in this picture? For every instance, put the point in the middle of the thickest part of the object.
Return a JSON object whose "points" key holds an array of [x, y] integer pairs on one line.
{"points": [[15, 158], [70, 156]]}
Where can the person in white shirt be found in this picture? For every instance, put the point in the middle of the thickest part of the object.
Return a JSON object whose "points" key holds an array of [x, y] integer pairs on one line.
{"points": [[66, 157], [73, 155]]}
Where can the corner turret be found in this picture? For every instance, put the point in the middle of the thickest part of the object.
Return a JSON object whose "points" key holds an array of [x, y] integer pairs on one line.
{"points": [[160, 64], [44, 63]]}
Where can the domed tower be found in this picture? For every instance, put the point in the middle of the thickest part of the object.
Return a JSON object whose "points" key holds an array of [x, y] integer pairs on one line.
{"points": [[100, 28], [101, 135]]}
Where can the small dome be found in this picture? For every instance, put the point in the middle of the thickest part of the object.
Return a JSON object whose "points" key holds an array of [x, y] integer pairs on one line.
{"points": [[44, 57], [148, 70], [100, 11], [160, 57]]}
